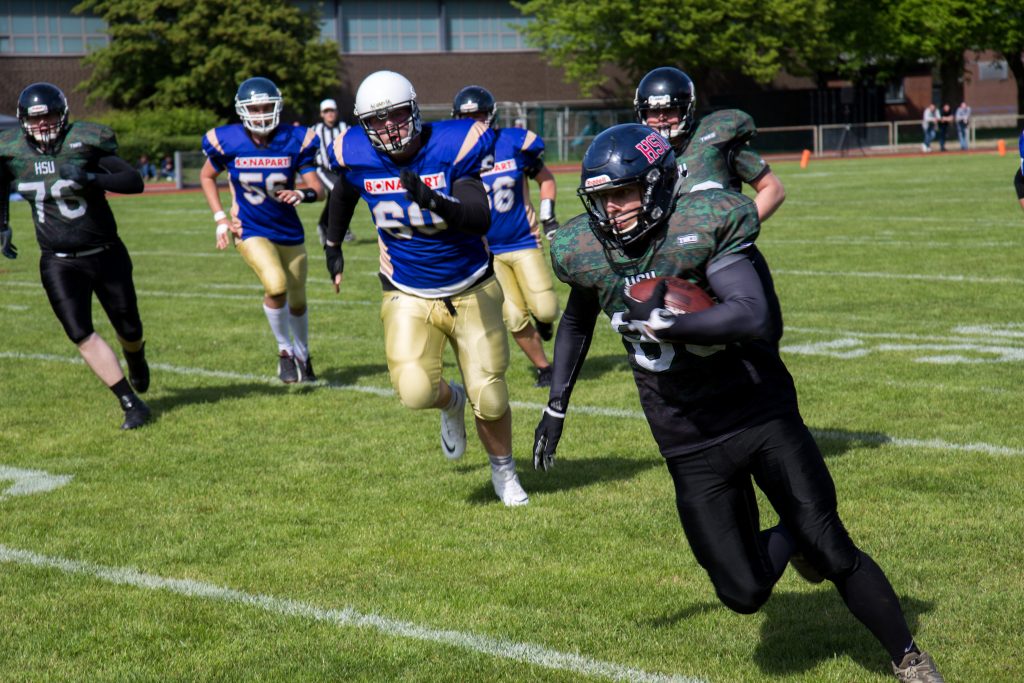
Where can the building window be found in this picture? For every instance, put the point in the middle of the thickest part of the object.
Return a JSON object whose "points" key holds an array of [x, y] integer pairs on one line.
{"points": [[479, 25], [996, 70], [48, 27], [894, 93], [395, 26]]}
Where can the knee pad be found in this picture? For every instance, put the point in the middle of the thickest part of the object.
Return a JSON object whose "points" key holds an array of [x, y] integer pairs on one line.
{"points": [[414, 388], [545, 306], [490, 401], [516, 318]]}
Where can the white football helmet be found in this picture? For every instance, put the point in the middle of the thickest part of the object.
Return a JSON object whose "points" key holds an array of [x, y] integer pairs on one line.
{"points": [[378, 95]]}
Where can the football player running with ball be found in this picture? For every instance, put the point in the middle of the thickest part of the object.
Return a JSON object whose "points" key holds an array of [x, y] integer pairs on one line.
{"points": [[514, 237], [717, 397], [64, 170], [713, 152], [422, 184], [262, 159]]}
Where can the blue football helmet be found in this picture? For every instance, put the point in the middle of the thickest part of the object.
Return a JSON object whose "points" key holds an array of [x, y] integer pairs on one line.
{"points": [[623, 156], [474, 99], [251, 104]]}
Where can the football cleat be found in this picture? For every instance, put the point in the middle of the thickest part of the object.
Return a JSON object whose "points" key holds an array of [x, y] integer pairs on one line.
{"points": [[136, 413], [543, 377], [349, 236], [306, 370], [918, 666], [287, 370], [805, 569], [507, 486], [138, 369], [453, 425]]}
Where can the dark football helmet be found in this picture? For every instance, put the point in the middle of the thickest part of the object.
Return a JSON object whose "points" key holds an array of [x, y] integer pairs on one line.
{"points": [[37, 105], [628, 155], [250, 104], [474, 99], [665, 88]]}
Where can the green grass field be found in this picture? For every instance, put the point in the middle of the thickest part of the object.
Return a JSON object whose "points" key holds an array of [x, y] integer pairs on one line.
{"points": [[267, 533]]}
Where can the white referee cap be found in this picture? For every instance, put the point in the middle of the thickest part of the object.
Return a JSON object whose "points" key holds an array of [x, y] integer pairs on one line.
{"points": [[328, 104]]}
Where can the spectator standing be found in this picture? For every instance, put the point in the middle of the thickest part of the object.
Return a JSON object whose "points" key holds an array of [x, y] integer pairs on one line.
{"points": [[928, 123], [963, 120], [329, 129], [945, 118]]}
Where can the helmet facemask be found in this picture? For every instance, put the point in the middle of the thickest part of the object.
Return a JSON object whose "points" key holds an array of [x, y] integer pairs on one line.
{"points": [[675, 133], [45, 130], [654, 189], [389, 138], [261, 113]]}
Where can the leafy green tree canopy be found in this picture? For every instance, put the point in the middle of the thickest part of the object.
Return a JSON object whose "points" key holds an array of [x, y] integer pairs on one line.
{"points": [[184, 53], [754, 37]]}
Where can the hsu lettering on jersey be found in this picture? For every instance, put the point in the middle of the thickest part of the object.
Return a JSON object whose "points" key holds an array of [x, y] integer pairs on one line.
{"points": [[502, 166], [263, 162], [652, 147], [633, 279], [435, 181], [45, 167]]}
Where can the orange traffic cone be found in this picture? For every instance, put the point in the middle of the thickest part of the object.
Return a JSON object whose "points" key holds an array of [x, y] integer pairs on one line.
{"points": [[1001, 146], [805, 158]]}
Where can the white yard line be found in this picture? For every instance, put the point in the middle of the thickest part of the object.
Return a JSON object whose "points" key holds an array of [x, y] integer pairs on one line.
{"points": [[851, 437], [347, 617], [973, 279]]}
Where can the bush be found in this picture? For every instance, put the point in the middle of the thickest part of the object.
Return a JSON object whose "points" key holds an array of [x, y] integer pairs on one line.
{"points": [[156, 133]]}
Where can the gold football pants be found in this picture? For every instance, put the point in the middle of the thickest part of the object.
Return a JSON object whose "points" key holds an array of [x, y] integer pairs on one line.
{"points": [[280, 268], [415, 330], [525, 278]]}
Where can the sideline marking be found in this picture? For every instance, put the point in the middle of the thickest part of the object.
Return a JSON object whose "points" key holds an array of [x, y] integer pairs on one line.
{"points": [[880, 439], [346, 617], [27, 482]]}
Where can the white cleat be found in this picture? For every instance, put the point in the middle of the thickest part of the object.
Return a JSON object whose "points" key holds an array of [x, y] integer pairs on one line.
{"points": [[453, 425], [507, 486]]}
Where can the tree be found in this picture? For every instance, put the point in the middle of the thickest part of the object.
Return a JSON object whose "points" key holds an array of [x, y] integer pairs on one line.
{"points": [[755, 37], [183, 53], [1004, 23]]}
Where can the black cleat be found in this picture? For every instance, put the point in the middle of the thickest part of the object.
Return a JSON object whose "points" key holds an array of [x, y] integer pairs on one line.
{"points": [[287, 370], [136, 413], [805, 569], [543, 377], [308, 375], [138, 369], [545, 330]]}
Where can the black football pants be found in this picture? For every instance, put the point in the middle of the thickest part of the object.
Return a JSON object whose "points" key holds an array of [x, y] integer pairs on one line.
{"points": [[71, 282]]}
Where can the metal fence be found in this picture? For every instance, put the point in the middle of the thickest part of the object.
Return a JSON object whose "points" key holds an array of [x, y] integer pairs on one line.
{"points": [[568, 130]]}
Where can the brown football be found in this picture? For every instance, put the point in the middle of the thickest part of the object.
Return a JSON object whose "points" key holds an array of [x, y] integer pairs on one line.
{"points": [[681, 296]]}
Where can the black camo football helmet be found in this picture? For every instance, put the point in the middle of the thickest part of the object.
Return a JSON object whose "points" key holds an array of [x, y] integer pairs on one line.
{"points": [[36, 105], [666, 88], [624, 155], [250, 104], [474, 99]]}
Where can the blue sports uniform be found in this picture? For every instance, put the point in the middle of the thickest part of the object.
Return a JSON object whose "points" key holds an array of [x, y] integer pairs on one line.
{"points": [[1020, 145], [518, 155], [417, 254], [258, 172]]}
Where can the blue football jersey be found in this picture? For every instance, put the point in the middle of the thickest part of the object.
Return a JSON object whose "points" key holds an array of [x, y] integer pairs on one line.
{"points": [[258, 172], [514, 223], [1020, 144], [418, 255]]}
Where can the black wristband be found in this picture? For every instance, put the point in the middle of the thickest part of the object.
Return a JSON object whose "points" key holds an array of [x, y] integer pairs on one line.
{"points": [[308, 195]]}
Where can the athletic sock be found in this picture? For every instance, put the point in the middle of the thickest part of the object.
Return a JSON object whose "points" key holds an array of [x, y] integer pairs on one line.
{"points": [[500, 462], [299, 325], [278, 319], [780, 546]]}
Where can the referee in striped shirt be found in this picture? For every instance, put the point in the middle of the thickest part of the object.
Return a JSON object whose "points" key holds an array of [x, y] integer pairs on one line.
{"points": [[328, 129]]}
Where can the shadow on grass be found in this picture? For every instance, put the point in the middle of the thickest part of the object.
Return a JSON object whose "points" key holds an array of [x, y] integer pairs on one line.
{"points": [[836, 442], [577, 474], [173, 398], [351, 374], [596, 366], [801, 630]]}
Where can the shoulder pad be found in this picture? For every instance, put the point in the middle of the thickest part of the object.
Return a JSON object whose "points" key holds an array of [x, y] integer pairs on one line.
{"points": [[93, 135], [727, 125]]}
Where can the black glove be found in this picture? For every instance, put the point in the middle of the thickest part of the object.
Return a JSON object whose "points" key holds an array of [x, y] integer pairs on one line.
{"points": [[6, 247], [550, 228], [76, 174], [545, 438], [335, 260], [416, 190], [639, 311]]}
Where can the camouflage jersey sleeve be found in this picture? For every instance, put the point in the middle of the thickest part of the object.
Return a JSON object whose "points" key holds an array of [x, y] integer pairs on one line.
{"points": [[732, 130]]}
